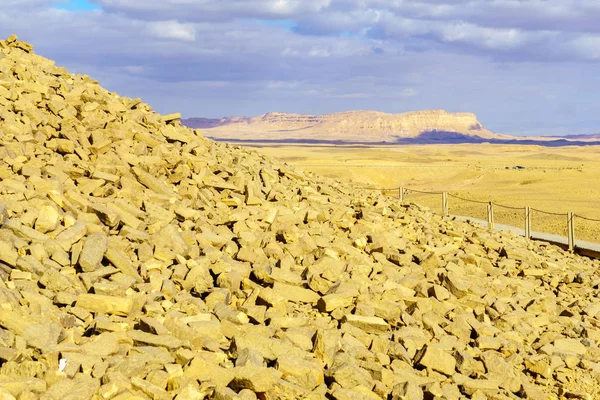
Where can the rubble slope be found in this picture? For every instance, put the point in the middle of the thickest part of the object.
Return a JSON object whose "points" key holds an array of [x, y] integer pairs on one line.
{"points": [[139, 260]]}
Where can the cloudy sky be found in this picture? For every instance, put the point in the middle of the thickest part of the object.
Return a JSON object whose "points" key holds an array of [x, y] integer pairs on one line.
{"points": [[523, 66]]}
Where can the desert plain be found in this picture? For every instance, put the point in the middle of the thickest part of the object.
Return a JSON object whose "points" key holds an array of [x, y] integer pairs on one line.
{"points": [[553, 179]]}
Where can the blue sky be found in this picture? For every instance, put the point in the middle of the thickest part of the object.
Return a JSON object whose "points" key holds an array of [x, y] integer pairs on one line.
{"points": [[523, 67], [77, 5], [285, 24]]}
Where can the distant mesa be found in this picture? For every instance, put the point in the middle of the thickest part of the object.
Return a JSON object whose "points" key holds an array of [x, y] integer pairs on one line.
{"points": [[367, 128], [588, 136], [350, 126]]}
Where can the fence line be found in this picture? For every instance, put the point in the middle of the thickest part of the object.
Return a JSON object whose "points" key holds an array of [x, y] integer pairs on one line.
{"points": [[463, 199], [570, 217], [422, 192], [549, 212], [586, 218], [509, 207]]}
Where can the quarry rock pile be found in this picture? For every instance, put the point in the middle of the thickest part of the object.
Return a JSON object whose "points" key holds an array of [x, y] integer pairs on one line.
{"points": [[139, 260]]}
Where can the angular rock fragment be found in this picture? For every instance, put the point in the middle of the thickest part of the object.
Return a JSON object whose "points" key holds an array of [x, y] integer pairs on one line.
{"points": [[367, 324], [308, 374], [436, 359], [94, 248], [255, 378], [3, 214], [105, 304], [47, 220], [336, 300], [572, 346]]}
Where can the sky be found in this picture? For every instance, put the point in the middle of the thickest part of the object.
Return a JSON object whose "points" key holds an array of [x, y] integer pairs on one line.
{"points": [[524, 67]]}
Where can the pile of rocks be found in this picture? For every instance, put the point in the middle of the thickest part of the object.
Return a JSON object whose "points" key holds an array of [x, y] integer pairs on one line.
{"points": [[139, 260]]}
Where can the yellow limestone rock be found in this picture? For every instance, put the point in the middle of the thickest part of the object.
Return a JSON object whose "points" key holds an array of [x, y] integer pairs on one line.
{"points": [[105, 304], [92, 253], [47, 219], [367, 324], [436, 359]]}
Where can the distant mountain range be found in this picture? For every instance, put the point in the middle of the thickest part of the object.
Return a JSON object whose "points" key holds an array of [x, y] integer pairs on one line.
{"points": [[587, 136], [367, 127]]}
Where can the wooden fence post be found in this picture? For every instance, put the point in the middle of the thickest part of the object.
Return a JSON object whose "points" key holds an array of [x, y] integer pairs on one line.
{"points": [[401, 193], [445, 203], [491, 215], [571, 231], [527, 222]]}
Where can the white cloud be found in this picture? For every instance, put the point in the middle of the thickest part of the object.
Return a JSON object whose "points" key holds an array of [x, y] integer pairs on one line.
{"points": [[277, 85], [532, 30], [172, 30], [134, 69], [352, 95], [486, 37], [214, 10], [319, 52], [587, 47], [26, 3], [564, 15], [408, 92]]}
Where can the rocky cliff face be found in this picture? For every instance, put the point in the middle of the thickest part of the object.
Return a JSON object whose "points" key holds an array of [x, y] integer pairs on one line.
{"points": [[367, 126]]}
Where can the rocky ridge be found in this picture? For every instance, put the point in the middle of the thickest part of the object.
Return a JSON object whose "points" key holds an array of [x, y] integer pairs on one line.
{"points": [[365, 126], [139, 260]]}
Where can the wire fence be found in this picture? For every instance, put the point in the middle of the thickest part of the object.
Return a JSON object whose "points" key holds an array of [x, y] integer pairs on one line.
{"points": [[570, 229], [508, 215], [554, 223], [428, 199], [468, 207], [586, 228]]}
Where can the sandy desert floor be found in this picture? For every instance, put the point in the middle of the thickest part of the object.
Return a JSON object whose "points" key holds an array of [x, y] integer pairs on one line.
{"points": [[557, 180]]}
